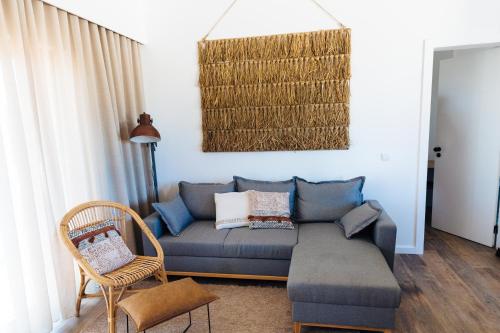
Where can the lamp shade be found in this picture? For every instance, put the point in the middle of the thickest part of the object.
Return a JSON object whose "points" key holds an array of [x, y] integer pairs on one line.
{"points": [[145, 132]]}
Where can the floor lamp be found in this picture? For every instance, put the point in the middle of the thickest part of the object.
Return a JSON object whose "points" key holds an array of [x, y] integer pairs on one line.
{"points": [[146, 133]]}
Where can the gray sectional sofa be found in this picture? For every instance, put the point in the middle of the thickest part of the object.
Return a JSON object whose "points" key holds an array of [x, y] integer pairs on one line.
{"points": [[332, 281]]}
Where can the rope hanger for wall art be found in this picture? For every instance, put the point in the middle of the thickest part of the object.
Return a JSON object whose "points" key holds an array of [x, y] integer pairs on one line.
{"points": [[234, 2], [278, 92]]}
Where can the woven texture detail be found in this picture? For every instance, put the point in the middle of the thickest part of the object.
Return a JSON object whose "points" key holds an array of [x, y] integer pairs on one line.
{"points": [[271, 222], [139, 269], [280, 92]]}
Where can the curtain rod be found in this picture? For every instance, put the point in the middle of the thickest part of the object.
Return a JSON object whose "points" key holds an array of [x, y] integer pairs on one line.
{"points": [[82, 18]]}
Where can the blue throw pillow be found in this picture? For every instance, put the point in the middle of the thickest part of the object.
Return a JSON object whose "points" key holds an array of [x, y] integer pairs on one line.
{"points": [[175, 215]]}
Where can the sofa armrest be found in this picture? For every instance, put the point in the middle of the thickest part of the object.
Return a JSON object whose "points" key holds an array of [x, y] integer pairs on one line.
{"points": [[384, 234], [157, 227]]}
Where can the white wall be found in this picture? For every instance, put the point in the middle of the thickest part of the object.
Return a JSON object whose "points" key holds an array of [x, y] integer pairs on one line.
{"points": [[387, 49], [123, 16]]}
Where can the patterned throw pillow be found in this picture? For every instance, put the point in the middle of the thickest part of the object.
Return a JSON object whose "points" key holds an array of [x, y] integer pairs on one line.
{"points": [[270, 222], [269, 210], [102, 246]]}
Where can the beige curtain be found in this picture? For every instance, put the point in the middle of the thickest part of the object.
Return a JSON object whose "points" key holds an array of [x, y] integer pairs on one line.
{"points": [[70, 92]]}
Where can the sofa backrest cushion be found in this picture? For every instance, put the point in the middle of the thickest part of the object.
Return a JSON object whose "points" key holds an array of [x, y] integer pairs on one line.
{"points": [[327, 200], [199, 197], [174, 214], [243, 184]]}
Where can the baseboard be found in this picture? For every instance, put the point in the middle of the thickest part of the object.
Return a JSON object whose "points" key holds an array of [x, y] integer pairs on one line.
{"points": [[407, 249]]}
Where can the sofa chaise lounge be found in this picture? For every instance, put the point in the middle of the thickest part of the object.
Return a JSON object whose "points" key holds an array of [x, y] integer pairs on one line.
{"points": [[332, 281]]}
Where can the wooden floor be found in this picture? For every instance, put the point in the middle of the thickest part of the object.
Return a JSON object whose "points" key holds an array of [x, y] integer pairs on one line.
{"points": [[453, 287]]}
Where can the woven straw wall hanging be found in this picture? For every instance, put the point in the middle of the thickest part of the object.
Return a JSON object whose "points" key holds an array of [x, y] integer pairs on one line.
{"points": [[279, 92]]}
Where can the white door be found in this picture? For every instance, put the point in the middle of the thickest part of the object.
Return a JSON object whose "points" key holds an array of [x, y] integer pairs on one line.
{"points": [[497, 243], [466, 176]]}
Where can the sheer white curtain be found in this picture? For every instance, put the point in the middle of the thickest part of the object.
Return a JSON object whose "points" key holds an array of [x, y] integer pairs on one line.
{"points": [[70, 92]]}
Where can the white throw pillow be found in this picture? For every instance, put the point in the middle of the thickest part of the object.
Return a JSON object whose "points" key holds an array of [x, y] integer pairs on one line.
{"points": [[231, 210]]}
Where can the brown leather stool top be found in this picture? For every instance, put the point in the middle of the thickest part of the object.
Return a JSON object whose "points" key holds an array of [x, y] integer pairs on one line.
{"points": [[156, 305]]}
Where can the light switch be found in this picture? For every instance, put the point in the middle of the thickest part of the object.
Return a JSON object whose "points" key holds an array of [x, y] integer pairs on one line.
{"points": [[385, 157]]}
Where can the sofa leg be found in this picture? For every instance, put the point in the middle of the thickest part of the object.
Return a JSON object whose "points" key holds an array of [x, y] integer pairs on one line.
{"points": [[297, 326]]}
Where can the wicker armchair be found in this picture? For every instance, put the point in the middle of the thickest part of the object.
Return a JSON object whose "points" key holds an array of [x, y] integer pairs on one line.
{"points": [[115, 283]]}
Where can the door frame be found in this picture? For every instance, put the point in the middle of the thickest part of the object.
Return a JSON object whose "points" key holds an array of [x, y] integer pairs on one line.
{"points": [[431, 46]]}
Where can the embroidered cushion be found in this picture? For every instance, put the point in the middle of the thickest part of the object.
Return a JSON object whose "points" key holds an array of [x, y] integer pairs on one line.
{"points": [[102, 246], [270, 222], [232, 210], [269, 210]]}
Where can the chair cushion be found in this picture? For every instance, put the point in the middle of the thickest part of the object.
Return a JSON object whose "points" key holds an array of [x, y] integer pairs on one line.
{"points": [[174, 214], [102, 246], [328, 200], [331, 269], [199, 198], [199, 239], [156, 305], [260, 243], [243, 184]]}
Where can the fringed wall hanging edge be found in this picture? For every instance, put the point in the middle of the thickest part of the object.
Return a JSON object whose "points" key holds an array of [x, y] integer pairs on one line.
{"points": [[279, 92]]}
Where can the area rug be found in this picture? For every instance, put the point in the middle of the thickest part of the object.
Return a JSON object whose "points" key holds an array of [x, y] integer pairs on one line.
{"points": [[246, 307]]}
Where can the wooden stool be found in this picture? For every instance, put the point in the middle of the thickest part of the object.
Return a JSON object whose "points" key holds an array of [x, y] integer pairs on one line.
{"points": [[154, 306]]}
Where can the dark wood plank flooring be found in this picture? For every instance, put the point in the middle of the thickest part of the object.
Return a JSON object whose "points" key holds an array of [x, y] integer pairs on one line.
{"points": [[453, 287]]}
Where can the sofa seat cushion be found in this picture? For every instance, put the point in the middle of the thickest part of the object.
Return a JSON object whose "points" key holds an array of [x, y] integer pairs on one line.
{"points": [[199, 239], [330, 269], [260, 243]]}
